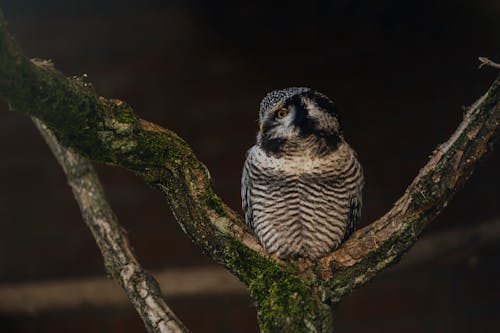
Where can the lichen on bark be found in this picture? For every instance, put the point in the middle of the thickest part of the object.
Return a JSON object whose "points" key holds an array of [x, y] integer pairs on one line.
{"points": [[290, 296]]}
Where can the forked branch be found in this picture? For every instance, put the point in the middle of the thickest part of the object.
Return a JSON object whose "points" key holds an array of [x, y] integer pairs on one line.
{"points": [[289, 296], [107, 130], [487, 62]]}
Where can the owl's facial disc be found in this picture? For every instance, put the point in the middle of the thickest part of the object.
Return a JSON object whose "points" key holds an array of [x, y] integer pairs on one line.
{"points": [[314, 118], [278, 124], [298, 117]]}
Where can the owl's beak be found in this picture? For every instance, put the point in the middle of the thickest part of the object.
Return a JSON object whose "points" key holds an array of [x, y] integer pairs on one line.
{"points": [[261, 127]]}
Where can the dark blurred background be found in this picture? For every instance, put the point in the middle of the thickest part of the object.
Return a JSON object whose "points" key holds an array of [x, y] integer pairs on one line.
{"points": [[400, 72]]}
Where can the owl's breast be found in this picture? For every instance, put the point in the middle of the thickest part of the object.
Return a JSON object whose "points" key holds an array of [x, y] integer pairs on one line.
{"points": [[304, 162], [300, 204]]}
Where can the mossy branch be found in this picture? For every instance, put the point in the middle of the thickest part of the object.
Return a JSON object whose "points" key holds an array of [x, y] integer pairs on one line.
{"points": [[291, 297], [140, 286], [384, 241], [107, 130]]}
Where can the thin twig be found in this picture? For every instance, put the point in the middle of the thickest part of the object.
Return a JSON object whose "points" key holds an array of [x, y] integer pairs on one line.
{"points": [[487, 62], [120, 262], [108, 131]]}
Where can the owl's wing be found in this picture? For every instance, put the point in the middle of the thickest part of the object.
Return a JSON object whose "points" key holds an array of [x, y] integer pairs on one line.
{"points": [[246, 190], [355, 203], [354, 215]]}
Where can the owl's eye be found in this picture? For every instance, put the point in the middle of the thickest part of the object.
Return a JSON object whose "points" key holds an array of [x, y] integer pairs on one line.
{"points": [[282, 113]]}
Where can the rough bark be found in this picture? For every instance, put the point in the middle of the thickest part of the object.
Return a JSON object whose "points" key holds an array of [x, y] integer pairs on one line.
{"points": [[140, 286], [384, 241], [459, 244], [290, 297]]}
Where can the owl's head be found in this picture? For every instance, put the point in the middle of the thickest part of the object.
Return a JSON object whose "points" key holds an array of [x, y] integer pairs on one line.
{"points": [[295, 116]]}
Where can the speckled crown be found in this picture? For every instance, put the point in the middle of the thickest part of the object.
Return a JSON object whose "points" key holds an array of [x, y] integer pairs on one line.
{"points": [[277, 96]]}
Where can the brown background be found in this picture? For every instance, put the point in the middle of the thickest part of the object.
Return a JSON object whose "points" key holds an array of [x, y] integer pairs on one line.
{"points": [[400, 72]]}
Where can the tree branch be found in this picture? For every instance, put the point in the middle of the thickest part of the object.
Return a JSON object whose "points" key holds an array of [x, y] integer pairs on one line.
{"points": [[383, 242], [289, 296], [107, 130], [46, 296], [49, 296], [120, 262], [487, 62]]}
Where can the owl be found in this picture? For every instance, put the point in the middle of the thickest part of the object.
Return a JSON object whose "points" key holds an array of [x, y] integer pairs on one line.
{"points": [[301, 182]]}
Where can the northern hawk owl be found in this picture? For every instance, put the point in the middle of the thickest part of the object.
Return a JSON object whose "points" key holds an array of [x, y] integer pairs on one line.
{"points": [[301, 183]]}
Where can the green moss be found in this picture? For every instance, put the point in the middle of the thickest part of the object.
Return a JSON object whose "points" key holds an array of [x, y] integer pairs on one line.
{"points": [[214, 203], [107, 130], [122, 114], [285, 301]]}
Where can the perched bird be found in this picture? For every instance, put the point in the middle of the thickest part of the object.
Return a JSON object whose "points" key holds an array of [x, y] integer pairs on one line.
{"points": [[301, 183]]}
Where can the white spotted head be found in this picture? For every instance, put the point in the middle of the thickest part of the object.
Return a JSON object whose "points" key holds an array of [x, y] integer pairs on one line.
{"points": [[297, 114]]}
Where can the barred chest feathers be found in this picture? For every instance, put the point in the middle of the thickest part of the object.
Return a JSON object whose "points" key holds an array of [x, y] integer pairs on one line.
{"points": [[300, 206], [301, 200]]}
